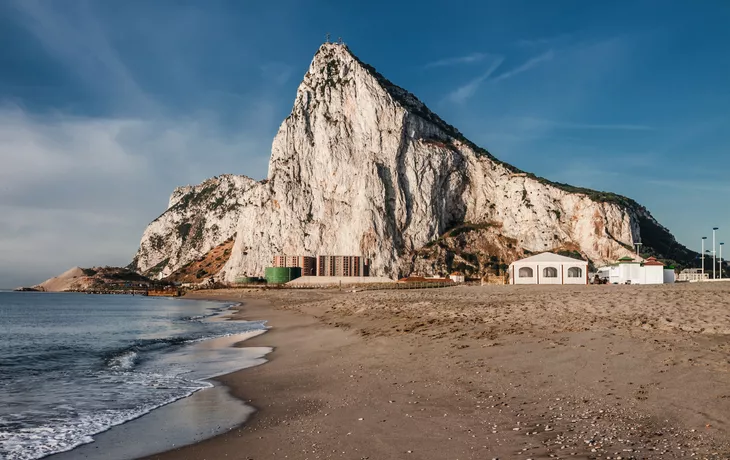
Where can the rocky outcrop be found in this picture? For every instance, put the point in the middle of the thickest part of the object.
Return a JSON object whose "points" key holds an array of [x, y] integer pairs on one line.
{"points": [[198, 219], [89, 279], [361, 166]]}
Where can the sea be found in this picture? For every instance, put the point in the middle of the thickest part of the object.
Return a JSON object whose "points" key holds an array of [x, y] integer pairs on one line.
{"points": [[75, 365]]}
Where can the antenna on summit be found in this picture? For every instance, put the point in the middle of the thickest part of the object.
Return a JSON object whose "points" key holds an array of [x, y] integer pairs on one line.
{"points": [[339, 40], [327, 37]]}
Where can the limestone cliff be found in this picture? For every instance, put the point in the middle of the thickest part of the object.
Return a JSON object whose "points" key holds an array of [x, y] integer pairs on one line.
{"points": [[361, 166], [197, 220]]}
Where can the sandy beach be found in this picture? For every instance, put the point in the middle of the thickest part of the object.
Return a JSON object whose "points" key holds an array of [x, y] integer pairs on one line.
{"points": [[629, 372]]}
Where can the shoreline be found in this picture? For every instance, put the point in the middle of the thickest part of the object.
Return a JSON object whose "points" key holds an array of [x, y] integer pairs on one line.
{"points": [[286, 331], [380, 375], [203, 412]]}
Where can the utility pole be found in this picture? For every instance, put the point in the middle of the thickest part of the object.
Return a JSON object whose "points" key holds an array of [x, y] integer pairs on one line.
{"points": [[713, 252], [702, 256], [721, 245]]}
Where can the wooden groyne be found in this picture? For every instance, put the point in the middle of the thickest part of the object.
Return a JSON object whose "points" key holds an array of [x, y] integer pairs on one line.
{"points": [[140, 292]]}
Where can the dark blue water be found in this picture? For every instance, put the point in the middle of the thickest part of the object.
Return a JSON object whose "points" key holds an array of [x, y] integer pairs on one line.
{"points": [[73, 365]]}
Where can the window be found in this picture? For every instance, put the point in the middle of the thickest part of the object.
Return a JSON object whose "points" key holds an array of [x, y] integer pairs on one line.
{"points": [[575, 272], [550, 272], [526, 272]]}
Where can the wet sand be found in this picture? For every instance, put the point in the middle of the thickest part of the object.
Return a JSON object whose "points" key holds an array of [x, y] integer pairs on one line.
{"points": [[484, 372]]}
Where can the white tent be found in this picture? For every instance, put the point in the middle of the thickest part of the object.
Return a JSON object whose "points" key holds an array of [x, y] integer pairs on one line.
{"points": [[548, 268]]}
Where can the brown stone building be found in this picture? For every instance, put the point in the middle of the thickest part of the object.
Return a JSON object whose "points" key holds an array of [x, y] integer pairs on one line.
{"points": [[308, 264], [343, 266]]}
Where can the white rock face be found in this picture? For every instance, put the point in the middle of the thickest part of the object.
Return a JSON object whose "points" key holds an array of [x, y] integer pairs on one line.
{"points": [[197, 219], [362, 167]]}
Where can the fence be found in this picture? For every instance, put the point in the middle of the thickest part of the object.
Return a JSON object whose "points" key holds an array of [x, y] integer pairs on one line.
{"points": [[351, 286]]}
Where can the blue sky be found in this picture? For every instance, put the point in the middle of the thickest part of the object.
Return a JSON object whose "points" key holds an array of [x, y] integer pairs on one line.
{"points": [[106, 106]]}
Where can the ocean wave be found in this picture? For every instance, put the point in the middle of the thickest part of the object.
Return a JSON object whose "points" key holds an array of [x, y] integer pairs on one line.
{"points": [[34, 442], [126, 358], [58, 394], [123, 361]]}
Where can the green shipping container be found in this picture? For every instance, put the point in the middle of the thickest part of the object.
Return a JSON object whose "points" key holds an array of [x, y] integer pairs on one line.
{"points": [[246, 280], [279, 275]]}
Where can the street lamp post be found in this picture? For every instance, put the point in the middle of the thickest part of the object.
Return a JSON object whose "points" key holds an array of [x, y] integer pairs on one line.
{"points": [[638, 250], [721, 245], [713, 251], [702, 256]]}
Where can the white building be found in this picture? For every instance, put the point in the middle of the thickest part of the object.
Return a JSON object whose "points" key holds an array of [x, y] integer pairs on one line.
{"points": [[548, 268], [457, 277], [693, 275], [630, 271]]}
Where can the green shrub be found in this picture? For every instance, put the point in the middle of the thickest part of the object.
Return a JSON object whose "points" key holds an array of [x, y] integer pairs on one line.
{"points": [[473, 259], [183, 230]]}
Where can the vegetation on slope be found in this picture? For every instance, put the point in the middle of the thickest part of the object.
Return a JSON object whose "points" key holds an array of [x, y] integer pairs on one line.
{"points": [[658, 242], [204, 267], [477, 250], [474, 249]]}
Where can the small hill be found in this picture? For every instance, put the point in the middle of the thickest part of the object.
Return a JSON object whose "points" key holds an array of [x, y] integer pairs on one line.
{"points": [[83, 279], [64, 281]]}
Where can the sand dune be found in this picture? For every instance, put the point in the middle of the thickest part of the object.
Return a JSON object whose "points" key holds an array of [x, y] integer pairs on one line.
{"points": [[65, 281]]}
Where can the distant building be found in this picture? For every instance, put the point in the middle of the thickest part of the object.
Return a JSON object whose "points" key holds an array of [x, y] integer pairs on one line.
{"points": [[629, 271], [343, 266], [425, 279], [308, 264], [692, 275], [548, 268], [457, 277]]}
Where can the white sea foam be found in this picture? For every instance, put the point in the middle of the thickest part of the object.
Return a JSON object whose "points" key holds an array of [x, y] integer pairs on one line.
{"points": [[150, 390], [123, 361], [52, 407], [37, 442]]}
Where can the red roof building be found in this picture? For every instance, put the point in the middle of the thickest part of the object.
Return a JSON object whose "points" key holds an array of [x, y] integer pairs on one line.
{"points": [[651, 261]]}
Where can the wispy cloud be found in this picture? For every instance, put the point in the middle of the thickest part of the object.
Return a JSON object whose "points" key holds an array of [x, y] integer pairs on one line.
{"points": [[699, 185], [531, 63], [77, 190], [79, 182], [74, 36], [618, 127], [559, 124], [542, 41], [463, 93], [277, 72], [468, 59]]}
